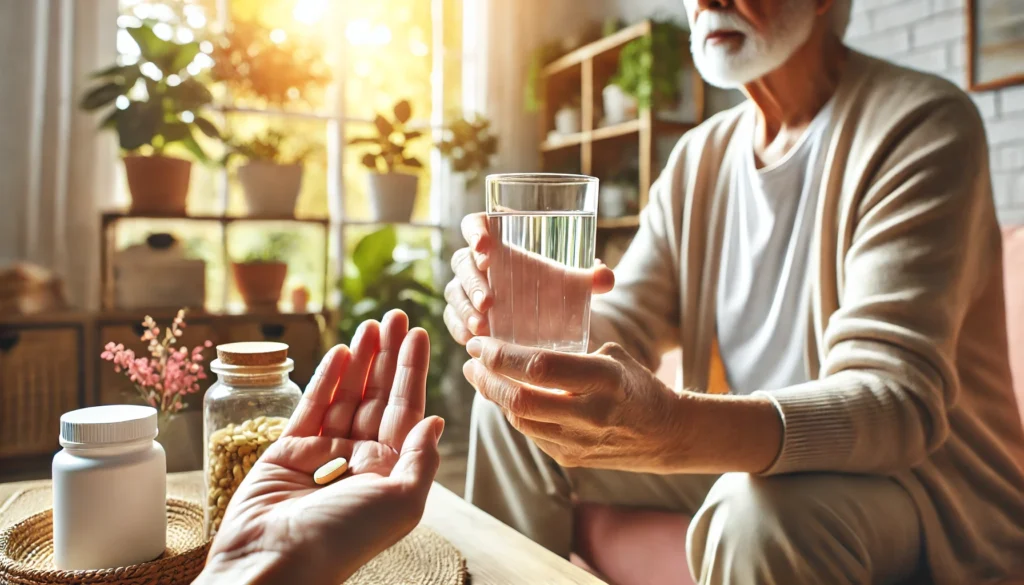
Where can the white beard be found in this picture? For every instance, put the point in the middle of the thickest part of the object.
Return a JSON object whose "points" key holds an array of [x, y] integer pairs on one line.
{"points": [[731, 67]]}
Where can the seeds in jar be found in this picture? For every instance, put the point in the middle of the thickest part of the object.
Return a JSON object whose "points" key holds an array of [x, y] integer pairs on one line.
{"points": [[233, 450]]}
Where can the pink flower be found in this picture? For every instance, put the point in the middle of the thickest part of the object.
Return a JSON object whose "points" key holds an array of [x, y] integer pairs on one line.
{"points": [[168, 373]]}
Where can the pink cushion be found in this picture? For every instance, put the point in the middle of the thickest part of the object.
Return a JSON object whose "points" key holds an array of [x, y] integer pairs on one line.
{"points": [[640, 547], [1013, 270]]}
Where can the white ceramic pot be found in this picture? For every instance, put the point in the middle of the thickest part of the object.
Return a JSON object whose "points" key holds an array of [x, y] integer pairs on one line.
{"points": [[568, 121], [392, 197], [612, 200], [270, 189], [465, 199], [618, 106]]}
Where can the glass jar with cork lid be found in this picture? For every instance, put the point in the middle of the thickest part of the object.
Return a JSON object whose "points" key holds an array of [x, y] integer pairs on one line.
{"points": [[244, 413]]}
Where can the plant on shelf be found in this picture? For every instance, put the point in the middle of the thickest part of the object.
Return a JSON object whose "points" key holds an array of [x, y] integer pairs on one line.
{"points": [[155, 108], [271, 180], [649, 66], [534, 89], [169, 374], [253, 60], [374, 283], [261, 274], [470, 146], [392, 191]]}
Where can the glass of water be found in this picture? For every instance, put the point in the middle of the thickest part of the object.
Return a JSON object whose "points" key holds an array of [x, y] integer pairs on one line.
{"points": [[544, 227]]}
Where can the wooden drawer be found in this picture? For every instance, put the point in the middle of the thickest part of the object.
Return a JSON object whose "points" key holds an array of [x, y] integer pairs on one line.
{"points": [[114, 388], [40, 379], [301, 333]]}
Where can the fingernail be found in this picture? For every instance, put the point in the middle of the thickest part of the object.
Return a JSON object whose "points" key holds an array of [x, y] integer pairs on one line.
{"points": [[478, 299], [474, 347], [439, 428]]}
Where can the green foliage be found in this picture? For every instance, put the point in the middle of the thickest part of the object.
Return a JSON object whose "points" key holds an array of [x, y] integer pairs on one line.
{"points": [[268, 147], [387, 149], [165, 114], [534, 89], [470, 146], [278, 247], [649, 66], [250, 63], [375, 283]]}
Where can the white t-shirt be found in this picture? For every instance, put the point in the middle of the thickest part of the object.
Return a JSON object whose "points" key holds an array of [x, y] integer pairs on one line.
{"points": [[762, 306]]}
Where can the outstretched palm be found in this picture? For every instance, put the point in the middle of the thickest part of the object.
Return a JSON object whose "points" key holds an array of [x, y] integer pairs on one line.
{"points": [[366, 405]]}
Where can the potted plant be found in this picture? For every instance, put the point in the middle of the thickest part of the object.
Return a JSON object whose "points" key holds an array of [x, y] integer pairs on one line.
{"points": [[374, 282], [392, 192], [261, 275], [155, 106], [569, 118], [469, 146], [649, 69], [163, 380], [619, 194], [271, 180]]}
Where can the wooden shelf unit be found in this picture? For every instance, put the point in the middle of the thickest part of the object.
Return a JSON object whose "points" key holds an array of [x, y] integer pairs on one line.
{"points": [[583, 73]]}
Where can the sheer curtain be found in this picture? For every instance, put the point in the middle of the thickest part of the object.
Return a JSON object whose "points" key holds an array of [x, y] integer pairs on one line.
{"points": [[56, 170], [498, 41]]}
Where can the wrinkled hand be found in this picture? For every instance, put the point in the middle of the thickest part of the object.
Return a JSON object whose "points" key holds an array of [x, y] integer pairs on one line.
{"points": [[365, 405], [471, 306], [602, 410]]}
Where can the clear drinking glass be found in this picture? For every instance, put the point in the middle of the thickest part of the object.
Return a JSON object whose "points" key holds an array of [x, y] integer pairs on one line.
{"points": [[545, 229]]}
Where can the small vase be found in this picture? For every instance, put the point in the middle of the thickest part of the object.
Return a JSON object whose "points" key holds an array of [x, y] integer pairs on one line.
{"points": [[181, 436]]}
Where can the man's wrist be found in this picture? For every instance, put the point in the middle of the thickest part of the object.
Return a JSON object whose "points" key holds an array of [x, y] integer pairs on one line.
{"points": [[721, 434], [256, 568]]}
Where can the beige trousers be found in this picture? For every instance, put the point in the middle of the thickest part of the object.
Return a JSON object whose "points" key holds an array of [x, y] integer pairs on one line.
{"points": [[799, 529]]}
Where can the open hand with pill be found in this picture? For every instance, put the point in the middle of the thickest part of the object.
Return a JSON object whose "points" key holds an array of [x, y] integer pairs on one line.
{"points": [[350, 475]]}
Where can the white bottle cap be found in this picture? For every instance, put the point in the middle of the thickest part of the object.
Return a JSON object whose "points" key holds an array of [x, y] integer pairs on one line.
{"points": [[99, 425]]}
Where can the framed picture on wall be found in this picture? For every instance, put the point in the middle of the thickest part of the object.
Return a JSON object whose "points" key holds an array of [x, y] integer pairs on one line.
{"points": [[995, 43]]}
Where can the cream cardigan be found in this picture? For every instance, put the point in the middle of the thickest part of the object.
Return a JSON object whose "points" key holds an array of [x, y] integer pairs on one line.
{"points": [[907, 346]]}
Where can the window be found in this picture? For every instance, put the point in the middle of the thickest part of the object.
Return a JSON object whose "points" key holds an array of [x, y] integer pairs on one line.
{"points": [[376, 53]]}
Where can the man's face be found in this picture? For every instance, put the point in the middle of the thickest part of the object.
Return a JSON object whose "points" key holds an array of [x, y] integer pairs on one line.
{"points": [[735, 42]]}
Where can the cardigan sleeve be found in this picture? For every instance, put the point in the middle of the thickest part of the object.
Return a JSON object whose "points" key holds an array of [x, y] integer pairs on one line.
{"points": [[642, 312], [923, 247]]}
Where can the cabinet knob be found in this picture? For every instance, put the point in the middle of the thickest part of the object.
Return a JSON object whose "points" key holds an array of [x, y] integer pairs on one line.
{"points": [[8, 339], [272, 330]]}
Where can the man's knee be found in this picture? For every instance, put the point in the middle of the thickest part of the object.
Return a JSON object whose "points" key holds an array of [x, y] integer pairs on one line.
{"points": [[771, 530]]}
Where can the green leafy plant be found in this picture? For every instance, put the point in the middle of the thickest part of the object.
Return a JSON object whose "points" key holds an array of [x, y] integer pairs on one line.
{"points": [[277, 247], [470, 146], [649, 66], [534, 88], [375, 283], [269, 146], [157, 108], [280, 71], [388, 153]]}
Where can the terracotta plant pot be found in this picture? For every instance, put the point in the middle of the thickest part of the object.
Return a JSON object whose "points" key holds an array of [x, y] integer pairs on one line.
{"points": [[270, 189], [158, 184], [260, 283], [392, 197]]}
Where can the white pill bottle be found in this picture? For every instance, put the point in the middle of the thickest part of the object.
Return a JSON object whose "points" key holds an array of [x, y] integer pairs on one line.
{"points": [[109, 489]]}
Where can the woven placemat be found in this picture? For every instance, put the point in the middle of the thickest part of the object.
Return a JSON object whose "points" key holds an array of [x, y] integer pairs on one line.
{"points": [[26, 553], [422, 558]]}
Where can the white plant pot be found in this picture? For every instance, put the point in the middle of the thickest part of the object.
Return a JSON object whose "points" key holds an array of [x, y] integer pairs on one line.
{"points": [[612, 201], [465, 199], [568, 121], [618, 106], [392, 197], [270, 189]]}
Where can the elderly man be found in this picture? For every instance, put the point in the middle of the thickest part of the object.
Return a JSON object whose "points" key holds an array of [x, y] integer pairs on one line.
{"points": [[831, 246]]}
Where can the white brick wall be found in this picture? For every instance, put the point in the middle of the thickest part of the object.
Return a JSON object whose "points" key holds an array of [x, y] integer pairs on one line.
{"points": [[931, 35]]}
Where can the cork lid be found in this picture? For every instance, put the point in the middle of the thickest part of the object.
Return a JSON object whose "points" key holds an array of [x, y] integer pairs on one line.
{"points": [[252, 353]]}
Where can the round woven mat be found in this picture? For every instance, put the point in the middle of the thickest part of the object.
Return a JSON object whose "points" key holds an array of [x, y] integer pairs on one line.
{"points": [[26, 553], [422, 558]]}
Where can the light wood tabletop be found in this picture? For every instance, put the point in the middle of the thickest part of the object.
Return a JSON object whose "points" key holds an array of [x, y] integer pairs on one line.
{"points": [[495, 553]]}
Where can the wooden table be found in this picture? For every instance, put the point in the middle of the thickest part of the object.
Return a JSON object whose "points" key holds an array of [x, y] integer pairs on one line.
{"points": [[495, 553]]}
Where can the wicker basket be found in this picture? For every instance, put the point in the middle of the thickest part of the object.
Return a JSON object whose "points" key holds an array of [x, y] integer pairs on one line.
{"points": [[26, 553]]}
